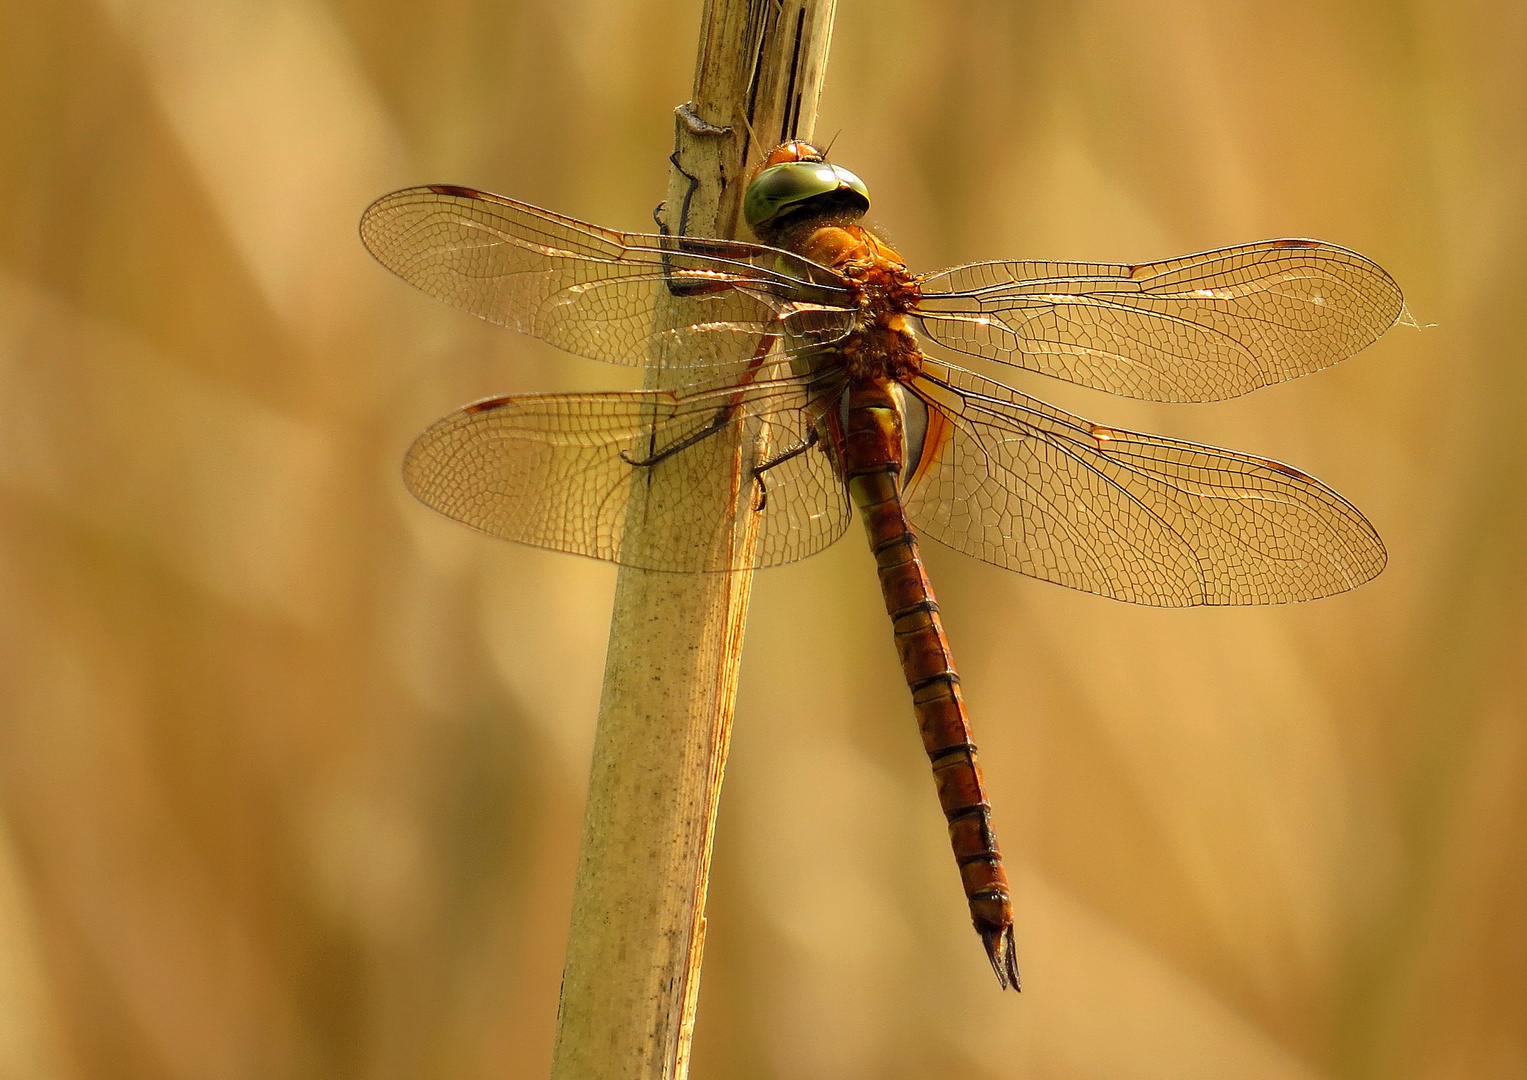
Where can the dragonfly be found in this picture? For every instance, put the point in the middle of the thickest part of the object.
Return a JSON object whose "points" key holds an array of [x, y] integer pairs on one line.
{"points": [[809, 347]]}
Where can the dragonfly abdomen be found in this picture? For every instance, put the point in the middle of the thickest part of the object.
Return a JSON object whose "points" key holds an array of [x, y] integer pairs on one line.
{"points": [[872, 463]]}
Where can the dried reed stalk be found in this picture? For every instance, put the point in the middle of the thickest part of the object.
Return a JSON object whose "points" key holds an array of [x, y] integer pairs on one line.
{"points": [[632, 975]]}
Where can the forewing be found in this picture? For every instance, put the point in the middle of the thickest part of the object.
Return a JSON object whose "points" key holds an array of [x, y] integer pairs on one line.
{"points": [[1136, 517], [597, 292], [555, 471], [1198, 328]]}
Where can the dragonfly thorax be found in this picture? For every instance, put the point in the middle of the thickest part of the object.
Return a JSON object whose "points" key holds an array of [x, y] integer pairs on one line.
{"points": [[880, 342]]}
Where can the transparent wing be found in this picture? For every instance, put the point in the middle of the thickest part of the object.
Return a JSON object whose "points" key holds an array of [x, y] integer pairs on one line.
{"points": [[597, 292], [1025, 486], [1198, 328], [555, 471]]}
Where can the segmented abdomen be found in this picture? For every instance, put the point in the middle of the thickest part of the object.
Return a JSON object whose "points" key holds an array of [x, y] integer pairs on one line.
{"points": [[871, 461]]}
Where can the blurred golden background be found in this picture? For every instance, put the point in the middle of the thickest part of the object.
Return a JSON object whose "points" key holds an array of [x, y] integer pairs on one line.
{"points": [[292, 769]]}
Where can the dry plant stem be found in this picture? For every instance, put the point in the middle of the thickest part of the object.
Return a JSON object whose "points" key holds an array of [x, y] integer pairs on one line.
{"points": [[631, 979]]}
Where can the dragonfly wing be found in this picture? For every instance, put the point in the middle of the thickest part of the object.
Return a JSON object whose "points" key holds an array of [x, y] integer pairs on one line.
{"points": [[554, 471], [593, 291], [1198, 328], [1149, 520]]}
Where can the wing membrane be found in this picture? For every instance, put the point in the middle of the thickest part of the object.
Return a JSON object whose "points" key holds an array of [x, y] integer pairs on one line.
{"points": [[597, 292], [1025, 486], [549, 470], [1197, 328]]}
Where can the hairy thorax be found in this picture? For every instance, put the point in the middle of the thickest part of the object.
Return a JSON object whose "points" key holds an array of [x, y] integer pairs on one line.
{"points": [[881, 343]]}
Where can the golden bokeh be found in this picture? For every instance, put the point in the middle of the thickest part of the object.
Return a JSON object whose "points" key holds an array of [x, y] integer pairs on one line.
{"points": [[292, 768]]}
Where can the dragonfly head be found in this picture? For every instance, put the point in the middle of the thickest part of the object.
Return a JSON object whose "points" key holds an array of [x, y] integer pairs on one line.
{"points": [[794, 181]]}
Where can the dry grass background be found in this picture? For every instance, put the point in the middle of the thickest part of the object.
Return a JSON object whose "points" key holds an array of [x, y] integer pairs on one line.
{"points": [[291, 768]]}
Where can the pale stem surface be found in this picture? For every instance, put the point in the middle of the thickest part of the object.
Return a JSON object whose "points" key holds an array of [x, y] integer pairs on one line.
{"points": [[631, 979]]}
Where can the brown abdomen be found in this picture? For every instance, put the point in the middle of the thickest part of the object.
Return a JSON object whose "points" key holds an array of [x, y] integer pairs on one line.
{"points": [[871, 461]]}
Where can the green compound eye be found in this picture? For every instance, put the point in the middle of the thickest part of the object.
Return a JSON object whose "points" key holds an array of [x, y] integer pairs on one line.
{"points": [[781, 188]]}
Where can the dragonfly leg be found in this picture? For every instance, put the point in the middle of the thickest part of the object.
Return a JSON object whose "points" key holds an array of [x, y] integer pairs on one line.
{"points": [[697, 125], [684, 244], [675, 286], [722, 418], [795, 451]]}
